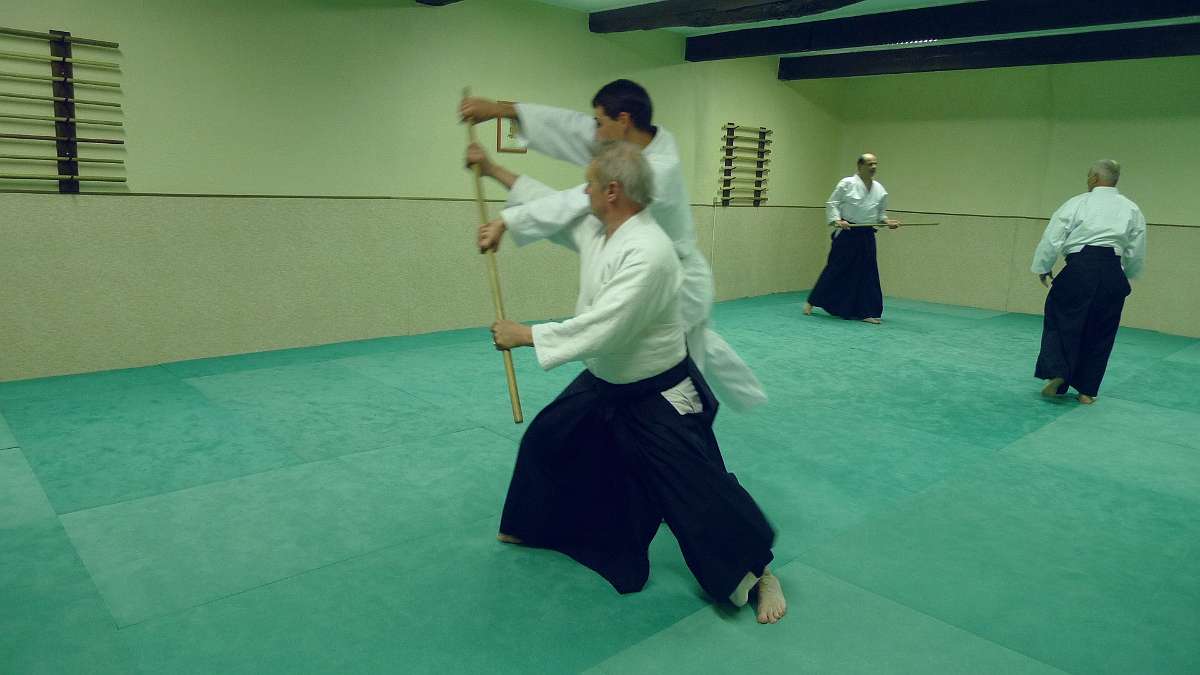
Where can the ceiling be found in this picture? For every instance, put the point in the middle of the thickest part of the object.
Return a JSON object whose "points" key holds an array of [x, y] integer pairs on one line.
{"points": [[857, 9], [871, 37]]}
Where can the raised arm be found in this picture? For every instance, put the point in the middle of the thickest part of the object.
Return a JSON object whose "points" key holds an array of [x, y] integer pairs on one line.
{"points": [[562, 134], [546, 215]]}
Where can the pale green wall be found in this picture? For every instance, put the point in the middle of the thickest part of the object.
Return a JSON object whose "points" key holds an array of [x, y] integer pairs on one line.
{"points": [[356, 97], [1004, 142], [1018, 141]]}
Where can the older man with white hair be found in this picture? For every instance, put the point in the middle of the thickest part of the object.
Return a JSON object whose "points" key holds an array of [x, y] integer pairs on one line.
{"points": [[1102, 235], [629, 443]]}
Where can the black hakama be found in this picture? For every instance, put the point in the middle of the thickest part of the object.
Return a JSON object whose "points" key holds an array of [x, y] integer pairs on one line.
{"points": [[1083, 311], [603, 464], [849, 285]]}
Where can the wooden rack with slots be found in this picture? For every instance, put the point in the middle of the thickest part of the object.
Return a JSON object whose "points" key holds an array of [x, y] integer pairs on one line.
{"points": [[745, 156], [63, 82]]}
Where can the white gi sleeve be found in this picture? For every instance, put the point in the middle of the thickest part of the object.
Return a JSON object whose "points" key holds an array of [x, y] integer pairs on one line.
{"points": [[562, 134], [1134, 254], [636, 294]]}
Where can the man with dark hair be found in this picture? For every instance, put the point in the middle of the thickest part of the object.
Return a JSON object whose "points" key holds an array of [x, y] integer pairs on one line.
{"points": [[622, 110], [849, 285], [629, 443], [1102, 235], [626, 96]]}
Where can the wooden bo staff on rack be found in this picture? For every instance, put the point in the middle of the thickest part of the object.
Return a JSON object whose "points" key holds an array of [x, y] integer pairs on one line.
{"points": [[56, 78], [80, 160], [494, 277], [73, 39], [35, 137], [59, 99], [62, 59], [90, 179], [49, 118]]}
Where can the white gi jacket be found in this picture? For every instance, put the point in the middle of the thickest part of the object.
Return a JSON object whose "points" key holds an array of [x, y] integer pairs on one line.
{"points": [[537, 211], [853, 202], [1102, 217], [627, 325]]}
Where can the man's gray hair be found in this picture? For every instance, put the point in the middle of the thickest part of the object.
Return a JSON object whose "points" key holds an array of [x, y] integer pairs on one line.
{"points": [[622, 162], [1107, 170]]}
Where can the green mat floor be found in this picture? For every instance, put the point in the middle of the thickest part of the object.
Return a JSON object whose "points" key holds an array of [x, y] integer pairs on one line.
{"points": [[332, 510]]}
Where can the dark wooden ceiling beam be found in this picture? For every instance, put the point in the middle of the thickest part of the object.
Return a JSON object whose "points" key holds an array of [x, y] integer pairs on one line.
{"points": [[989, 17], [672, 13], [1110, 45]]}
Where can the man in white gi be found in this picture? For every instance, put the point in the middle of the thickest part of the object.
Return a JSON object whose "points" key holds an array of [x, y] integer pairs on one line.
{"points": [[849, 285], [621, 110], [629, 443], [1102, 235]]}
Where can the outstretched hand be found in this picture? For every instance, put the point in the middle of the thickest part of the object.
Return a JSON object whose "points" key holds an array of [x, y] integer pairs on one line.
{"points": [[476, 109]]}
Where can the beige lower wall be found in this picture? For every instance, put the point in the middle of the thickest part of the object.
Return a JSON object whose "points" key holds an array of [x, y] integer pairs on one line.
{"points": [[92, 283], [758, 251], [984, 262]]}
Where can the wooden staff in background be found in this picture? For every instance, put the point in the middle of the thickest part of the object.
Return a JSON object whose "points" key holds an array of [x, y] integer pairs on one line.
{"points": [[494, 277]]}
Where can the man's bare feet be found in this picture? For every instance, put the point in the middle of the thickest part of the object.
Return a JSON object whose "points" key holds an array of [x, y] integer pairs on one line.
{"points": [[1051, 388], [873, 319], [508, 539], [808, 309], [771, 603], [1087, 400]]}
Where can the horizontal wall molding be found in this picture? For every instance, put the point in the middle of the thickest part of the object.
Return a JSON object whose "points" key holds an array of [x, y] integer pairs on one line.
{"points": [[184, 195]]}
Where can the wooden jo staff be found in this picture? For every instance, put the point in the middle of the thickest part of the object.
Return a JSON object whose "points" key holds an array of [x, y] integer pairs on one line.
{"points": [[494, 277], [898, 225]]}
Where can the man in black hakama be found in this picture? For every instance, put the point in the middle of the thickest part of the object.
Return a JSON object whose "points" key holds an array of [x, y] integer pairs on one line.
{"points": [[1102, 235]]}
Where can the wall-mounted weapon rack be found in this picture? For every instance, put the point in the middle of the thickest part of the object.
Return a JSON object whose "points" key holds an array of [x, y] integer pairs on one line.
{"points": [[20, 82], [745, 163]]}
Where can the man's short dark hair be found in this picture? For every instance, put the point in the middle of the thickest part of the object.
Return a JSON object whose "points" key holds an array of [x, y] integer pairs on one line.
{"points": [[862, 159], [626, 96]]}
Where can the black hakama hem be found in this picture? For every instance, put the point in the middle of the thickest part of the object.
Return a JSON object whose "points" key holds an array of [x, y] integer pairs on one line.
{"points": [[1083, 312], [603, 465], [849, 285]]}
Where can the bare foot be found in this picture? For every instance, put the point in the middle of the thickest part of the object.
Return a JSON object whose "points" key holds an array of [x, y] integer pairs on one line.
{"points": [[508, 539], [872, 319], [1087, 400], [1051, 388], [771, 603], [807, 309]]}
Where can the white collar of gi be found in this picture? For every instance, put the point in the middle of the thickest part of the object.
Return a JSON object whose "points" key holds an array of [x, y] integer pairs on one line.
{"points": [[634, 222]]}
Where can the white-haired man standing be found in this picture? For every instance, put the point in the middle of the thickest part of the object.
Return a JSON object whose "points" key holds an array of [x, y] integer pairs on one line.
{"points": [[1102, 235], [629, 443]]}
